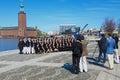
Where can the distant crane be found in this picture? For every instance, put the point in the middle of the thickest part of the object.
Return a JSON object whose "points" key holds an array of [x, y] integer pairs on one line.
{"points": [[84, 28]]}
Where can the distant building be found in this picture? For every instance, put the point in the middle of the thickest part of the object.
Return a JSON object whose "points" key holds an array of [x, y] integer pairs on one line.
{"points": [[53, 33], [21, 30], [95, 32], [68, 29]]}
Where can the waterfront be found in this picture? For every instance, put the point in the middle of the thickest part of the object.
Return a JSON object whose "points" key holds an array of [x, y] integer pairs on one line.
{"points": [[8, 44], [53, 66]]}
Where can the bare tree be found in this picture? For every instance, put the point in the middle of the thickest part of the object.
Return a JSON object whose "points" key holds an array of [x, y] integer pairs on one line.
{"points": [[108, 25]]}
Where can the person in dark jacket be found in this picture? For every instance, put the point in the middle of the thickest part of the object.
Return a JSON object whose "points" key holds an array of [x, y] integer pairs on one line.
{"points": [[116, 55], [20, 45], [76, 54], [102, 48], [29, 44]]}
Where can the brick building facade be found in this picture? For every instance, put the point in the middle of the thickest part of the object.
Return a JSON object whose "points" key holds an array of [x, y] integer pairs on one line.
{"points": [[21, 30]]}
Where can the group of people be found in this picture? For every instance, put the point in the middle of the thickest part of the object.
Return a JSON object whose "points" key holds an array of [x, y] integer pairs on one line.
{"points": [[45, 45], [108, 49], [55, 44], [79, 49]]}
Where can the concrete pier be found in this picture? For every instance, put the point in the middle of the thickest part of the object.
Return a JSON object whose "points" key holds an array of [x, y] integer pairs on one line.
{"points": [[52, 66]]}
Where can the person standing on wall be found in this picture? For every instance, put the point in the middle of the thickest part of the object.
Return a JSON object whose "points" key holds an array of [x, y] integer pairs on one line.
{"points": [[110, 51], [76, 54]]}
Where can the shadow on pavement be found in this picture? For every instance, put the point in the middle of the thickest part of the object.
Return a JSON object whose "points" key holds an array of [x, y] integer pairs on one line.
{"points": [[92, 59], [68, 67], [94, 62]]}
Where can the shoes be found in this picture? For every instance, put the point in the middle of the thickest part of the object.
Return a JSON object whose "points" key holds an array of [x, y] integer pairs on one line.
{"points": [[103, 62], [116, 62], [100, 63], [83, 71], [76, 72], [109, 68]]}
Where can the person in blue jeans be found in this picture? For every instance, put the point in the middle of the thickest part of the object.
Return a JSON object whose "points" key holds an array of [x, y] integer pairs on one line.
{"points": [[102, 48], [110, 51]]}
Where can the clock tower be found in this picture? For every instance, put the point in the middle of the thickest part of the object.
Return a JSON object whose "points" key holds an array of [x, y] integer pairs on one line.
{"points": [[21, 21]]}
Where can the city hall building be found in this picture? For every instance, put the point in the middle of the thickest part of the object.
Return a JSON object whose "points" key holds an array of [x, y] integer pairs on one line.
{"points": [[21, 30]]}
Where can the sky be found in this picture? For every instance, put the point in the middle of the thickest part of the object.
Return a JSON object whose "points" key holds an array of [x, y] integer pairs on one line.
{"points": [[48, 15]]}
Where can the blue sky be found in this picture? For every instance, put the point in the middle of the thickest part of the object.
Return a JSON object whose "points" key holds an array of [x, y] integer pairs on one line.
{"points": [[47, 15]]}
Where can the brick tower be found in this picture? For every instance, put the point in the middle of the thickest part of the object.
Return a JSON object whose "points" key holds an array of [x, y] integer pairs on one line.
{"points": [[21, 21]]}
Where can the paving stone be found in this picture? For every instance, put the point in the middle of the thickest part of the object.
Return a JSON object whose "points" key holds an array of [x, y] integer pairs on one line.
{"points": [[52, 66], [20, 57], [2, 65], [46, 73]]}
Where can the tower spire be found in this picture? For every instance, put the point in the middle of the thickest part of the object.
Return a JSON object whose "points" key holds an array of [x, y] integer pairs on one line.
{"points": [[21, 20], [21, 6]]}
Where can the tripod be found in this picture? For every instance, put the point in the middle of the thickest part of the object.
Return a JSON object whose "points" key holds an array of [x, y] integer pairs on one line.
{"points": [[95, 50]]}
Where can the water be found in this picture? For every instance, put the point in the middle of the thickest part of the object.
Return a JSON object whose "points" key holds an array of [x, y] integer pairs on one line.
{"points": [[8, 44]]}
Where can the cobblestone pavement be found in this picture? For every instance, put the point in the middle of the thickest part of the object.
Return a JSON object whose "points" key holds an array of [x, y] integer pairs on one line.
{"points": [[52, 66]]}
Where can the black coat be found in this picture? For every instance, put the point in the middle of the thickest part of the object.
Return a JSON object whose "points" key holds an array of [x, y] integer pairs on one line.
{"points": [[116, 42], [29, 43], [20, 45], [77, 48], [102, 43]]}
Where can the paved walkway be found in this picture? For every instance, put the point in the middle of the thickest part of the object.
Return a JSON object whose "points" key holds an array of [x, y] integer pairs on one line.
{"points": [[52, 66]]}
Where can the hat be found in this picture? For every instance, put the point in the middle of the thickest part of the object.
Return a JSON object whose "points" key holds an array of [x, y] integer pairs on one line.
{"points": [[76, 35]]}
